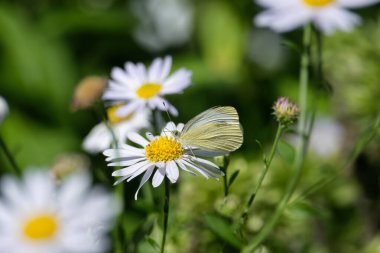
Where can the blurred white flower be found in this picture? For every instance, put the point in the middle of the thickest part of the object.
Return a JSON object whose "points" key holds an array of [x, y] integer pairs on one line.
{"points": [[163, 23], [327, 137], [265, 49], [38, 216], [163, 152], [100, 137], [3, 109], [139, 87], [328, 15]]}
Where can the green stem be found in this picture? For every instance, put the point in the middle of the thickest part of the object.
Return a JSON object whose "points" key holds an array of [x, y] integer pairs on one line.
{"points": [[225, 186], [267, 163], [303, 131], [10, 157], [166, 213]]}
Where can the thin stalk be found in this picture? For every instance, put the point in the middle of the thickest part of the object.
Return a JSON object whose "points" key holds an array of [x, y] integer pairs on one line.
{"points": [[225, 186], [303, 130], [226, 162], [9, 156], [166, 214], [267, 163]]}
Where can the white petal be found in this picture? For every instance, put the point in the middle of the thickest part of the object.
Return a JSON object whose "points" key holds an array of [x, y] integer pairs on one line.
{"points": [[128, 108], [136, 71], [155, 70], [127, 162], [158, 177], [120, 76], [285, 19], [166, 66], [333, 19], [274, 3], [138, 139], [130, 169], [180, 127], [356, 3], [73, 190], [98, 140], [145, 178], [125, 151], [207, 165], [177, 82], [183, 167], [201, 170], [172, 171], [138, 172]]}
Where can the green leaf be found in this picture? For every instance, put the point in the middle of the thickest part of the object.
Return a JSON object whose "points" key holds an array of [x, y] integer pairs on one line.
{"points": [[305, 209], [223, 229], [233, 177], [286, 151], [152, 243]]}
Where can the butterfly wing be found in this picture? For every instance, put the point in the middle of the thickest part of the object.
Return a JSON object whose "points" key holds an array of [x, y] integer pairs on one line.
{"points": [[216, 130]]}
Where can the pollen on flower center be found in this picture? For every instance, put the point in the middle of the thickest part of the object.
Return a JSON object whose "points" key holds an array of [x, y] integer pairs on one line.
{"points": [[40, 227], [318, 3], [148, 90], [113, 118], [163, 149]]}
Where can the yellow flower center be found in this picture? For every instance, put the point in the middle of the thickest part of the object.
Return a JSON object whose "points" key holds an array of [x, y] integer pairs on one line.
{"points": [[113, 118], [163, 149], [40, 227], [148, 90], [318, 3]]}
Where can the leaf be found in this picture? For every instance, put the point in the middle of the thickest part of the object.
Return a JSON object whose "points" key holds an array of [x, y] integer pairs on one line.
{"points": [[306, 209], [152, 243], [286, 151], [223, 229], [233, 177], [292, 46]]}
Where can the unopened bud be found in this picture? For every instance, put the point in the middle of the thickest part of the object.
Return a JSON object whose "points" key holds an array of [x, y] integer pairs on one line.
{"points": [[87, 92], [286, 112], [66, 164]]}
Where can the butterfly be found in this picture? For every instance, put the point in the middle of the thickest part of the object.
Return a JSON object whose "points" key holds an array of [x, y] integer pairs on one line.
{"points": [[216, 131]]}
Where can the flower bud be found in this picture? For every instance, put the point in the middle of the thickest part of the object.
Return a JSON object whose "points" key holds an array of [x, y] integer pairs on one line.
{"points": [[87, 92], [286, 112]]}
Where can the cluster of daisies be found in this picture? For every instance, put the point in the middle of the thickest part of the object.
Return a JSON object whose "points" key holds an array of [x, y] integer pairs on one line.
{"points": [[131, 96]]}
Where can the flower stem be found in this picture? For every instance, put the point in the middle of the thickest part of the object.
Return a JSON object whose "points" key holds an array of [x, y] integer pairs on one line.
{"points": [[303, 131], [267, 163], [9, 156], [166, 214]]}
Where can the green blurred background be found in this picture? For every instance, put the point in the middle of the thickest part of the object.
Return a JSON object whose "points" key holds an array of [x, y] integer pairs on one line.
{"points": [[47, 47]]}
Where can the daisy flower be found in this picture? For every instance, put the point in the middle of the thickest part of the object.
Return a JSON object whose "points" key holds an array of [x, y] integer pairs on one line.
{"points": [[140, 87], [100, 137], [327, 15], [163, 152], [39, 216], [3, 109]]}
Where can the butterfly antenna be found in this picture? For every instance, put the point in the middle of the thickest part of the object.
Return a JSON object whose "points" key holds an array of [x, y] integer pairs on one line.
{"points": [[167, 111], [170, 119]]}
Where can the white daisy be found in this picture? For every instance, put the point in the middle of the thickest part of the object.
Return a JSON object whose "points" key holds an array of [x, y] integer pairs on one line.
{"points": [[38, 216], [140, 87], [327, 15], [3, 109], [163, 152], [100, 138]]}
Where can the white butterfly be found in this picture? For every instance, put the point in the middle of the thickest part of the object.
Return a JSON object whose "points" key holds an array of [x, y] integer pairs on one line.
{"points": [[216, 130]]}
